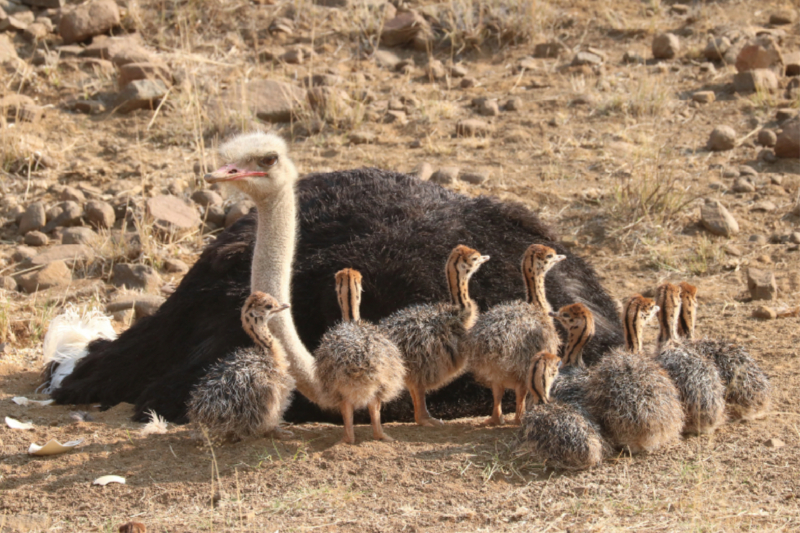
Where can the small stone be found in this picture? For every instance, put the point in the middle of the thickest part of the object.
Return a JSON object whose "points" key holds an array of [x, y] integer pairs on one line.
{"points": [[767, 138], [785, 113], [100, 214], [424, 171], [71, 254], [761, 284], [142, 304], [458, 71], [551, 50], [513, 104], [79, 235], [776, 179], [36, 238], [708, 68], [762, 54], [733, 250], [136, 277], [794, 238], [765, 313], [704, 97], [386, 59], [631, 57], [205, 197], [141, 94], [751, 81], [758, 240], [73, 194], [237, 211], [471, 128], [774, 443], [716, 48], [36, 31], [215, 215], [295, 56], [763, 205], [445, 175], [435, 70], [782, 18], [89, 107], [23, 253], [791, 63], [395, 117], [8, 283], [722, 138], [489, 108], [403, 28], [787, 144], [746, 170], [54, 274], [33, 219], [363, 137], [467, 83], [143, 71], [171, 214], [717, 219], [175, 266], [70, 214], [666, 46], [742, 184], [474, 177], [88, 20], [586, 58]]}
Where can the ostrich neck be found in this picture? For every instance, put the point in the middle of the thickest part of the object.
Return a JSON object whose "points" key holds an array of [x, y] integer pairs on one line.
{"points": [[534, 286], [573, 353], [459, 295], [632, 328], [271, 272], [265, 341]]}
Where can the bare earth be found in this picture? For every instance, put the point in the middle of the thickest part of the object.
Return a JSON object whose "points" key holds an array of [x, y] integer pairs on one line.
{"points": [[614, 157]]}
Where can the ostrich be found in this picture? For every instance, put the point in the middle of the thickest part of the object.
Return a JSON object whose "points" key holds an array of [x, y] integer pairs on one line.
{"points": [[391, 227]]}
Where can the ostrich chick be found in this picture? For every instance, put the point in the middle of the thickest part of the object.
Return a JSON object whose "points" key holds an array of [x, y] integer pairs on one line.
{"points": [[357, 365], [631, 396], [431, 336], [560, 435], [696, 377], [505, 336], [570, 386], [747, 388], [246, 393]]}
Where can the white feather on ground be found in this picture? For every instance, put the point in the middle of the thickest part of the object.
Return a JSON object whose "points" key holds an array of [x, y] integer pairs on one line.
{"points": [[67, 338], [156, 426]]}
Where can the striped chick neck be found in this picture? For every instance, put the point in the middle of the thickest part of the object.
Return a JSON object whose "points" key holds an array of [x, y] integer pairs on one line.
{"points": [[536, 263], [461, 265], [541, 375], [688, 313], [578, 320], [348, 293], [668, 299], [638, 311]]}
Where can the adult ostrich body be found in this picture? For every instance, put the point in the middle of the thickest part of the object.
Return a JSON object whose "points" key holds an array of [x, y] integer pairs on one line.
{"points": [[394, 229]]}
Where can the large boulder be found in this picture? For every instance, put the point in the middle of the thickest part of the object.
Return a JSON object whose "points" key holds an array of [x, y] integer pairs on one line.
{"points": [[172, 215], [87, 20], [788, 143]]}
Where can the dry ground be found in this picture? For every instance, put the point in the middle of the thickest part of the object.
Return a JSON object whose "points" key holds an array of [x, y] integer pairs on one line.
{"points": [[612, 157]]}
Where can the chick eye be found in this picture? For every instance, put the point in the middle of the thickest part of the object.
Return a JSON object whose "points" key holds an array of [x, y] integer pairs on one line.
{"points": [[550, 256], [269, 306], [268, 161]]}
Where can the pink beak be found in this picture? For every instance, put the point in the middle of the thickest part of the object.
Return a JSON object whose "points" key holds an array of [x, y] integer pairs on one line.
{"points": [[230, 173]]}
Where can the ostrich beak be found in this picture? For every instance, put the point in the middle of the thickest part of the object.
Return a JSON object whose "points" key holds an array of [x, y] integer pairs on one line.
{"points": [[230, 173], [559, 258], [283, 307], [483, 259], [553, 314]]}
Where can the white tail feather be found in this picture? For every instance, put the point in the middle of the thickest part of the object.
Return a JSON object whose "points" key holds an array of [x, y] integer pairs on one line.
{"points": [[67, 339]]}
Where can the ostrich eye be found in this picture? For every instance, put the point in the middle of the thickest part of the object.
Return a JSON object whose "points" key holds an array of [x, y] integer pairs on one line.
{"points": [[269, 306], [268, 161], [549, 256]]}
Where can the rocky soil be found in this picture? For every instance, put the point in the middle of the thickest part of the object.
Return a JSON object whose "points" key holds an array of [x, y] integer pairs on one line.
{"points": [[661, 139]]}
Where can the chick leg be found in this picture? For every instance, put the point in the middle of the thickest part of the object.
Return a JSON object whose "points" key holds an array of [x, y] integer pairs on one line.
{"points": [[421, 414], [347, 415], [522, 394], [497, 411], [375, 416]]}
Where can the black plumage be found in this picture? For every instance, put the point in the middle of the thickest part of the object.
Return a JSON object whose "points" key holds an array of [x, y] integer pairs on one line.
{"points": [[393, 228]]}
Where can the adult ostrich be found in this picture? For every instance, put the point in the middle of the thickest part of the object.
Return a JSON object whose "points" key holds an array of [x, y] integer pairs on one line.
{"points": [[396, 230]]}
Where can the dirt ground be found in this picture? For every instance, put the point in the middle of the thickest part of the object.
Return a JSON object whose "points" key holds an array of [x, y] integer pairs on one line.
{"points": [[614, 157]]}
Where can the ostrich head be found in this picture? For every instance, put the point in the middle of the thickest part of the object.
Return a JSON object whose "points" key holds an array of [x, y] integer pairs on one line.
{"points": [[539, 259], [541, 375], [261, 306], [258, 164]]}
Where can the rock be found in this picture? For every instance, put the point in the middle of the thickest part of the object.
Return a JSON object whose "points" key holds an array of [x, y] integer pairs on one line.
{"points": [[513, 104], [445, 175], [586, 58], [136, 277], [70, 215], [143, 71], [36, 238], [269, 100], [791, 64], [54, 274], [631, 57], [785, 113], [17, 22], [763, 205], [704, 97], [794, 238], [8, 52], [751, 81], [205, 197], [141, 94], [722, 138], [88, 20], [36, 31], [386, 59], [787, 144], [44, 4], [71, 254], [716, 48], [395, 117], [22, 253], [237, 211], [33, 219], [120, 50], [471, 128], [403, 28], [175, 266], [489, 108], [475, 177], [767, 138], [100, 214], [458, 71], [717, 219], [732, 249], [467, 83], [89, 107], [8, 283], [761, 54], [171, 214], [73, 194], [782, 18], [143, 304], [765, 313], [666, 46], [708, 68], [322, 80], [435, 70], [363, 137], [774, 443], [550, 50], [761, 284], [758, 240], [79, 235], [20, 108], [424, 171], [215, 214], [743, 184]]}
